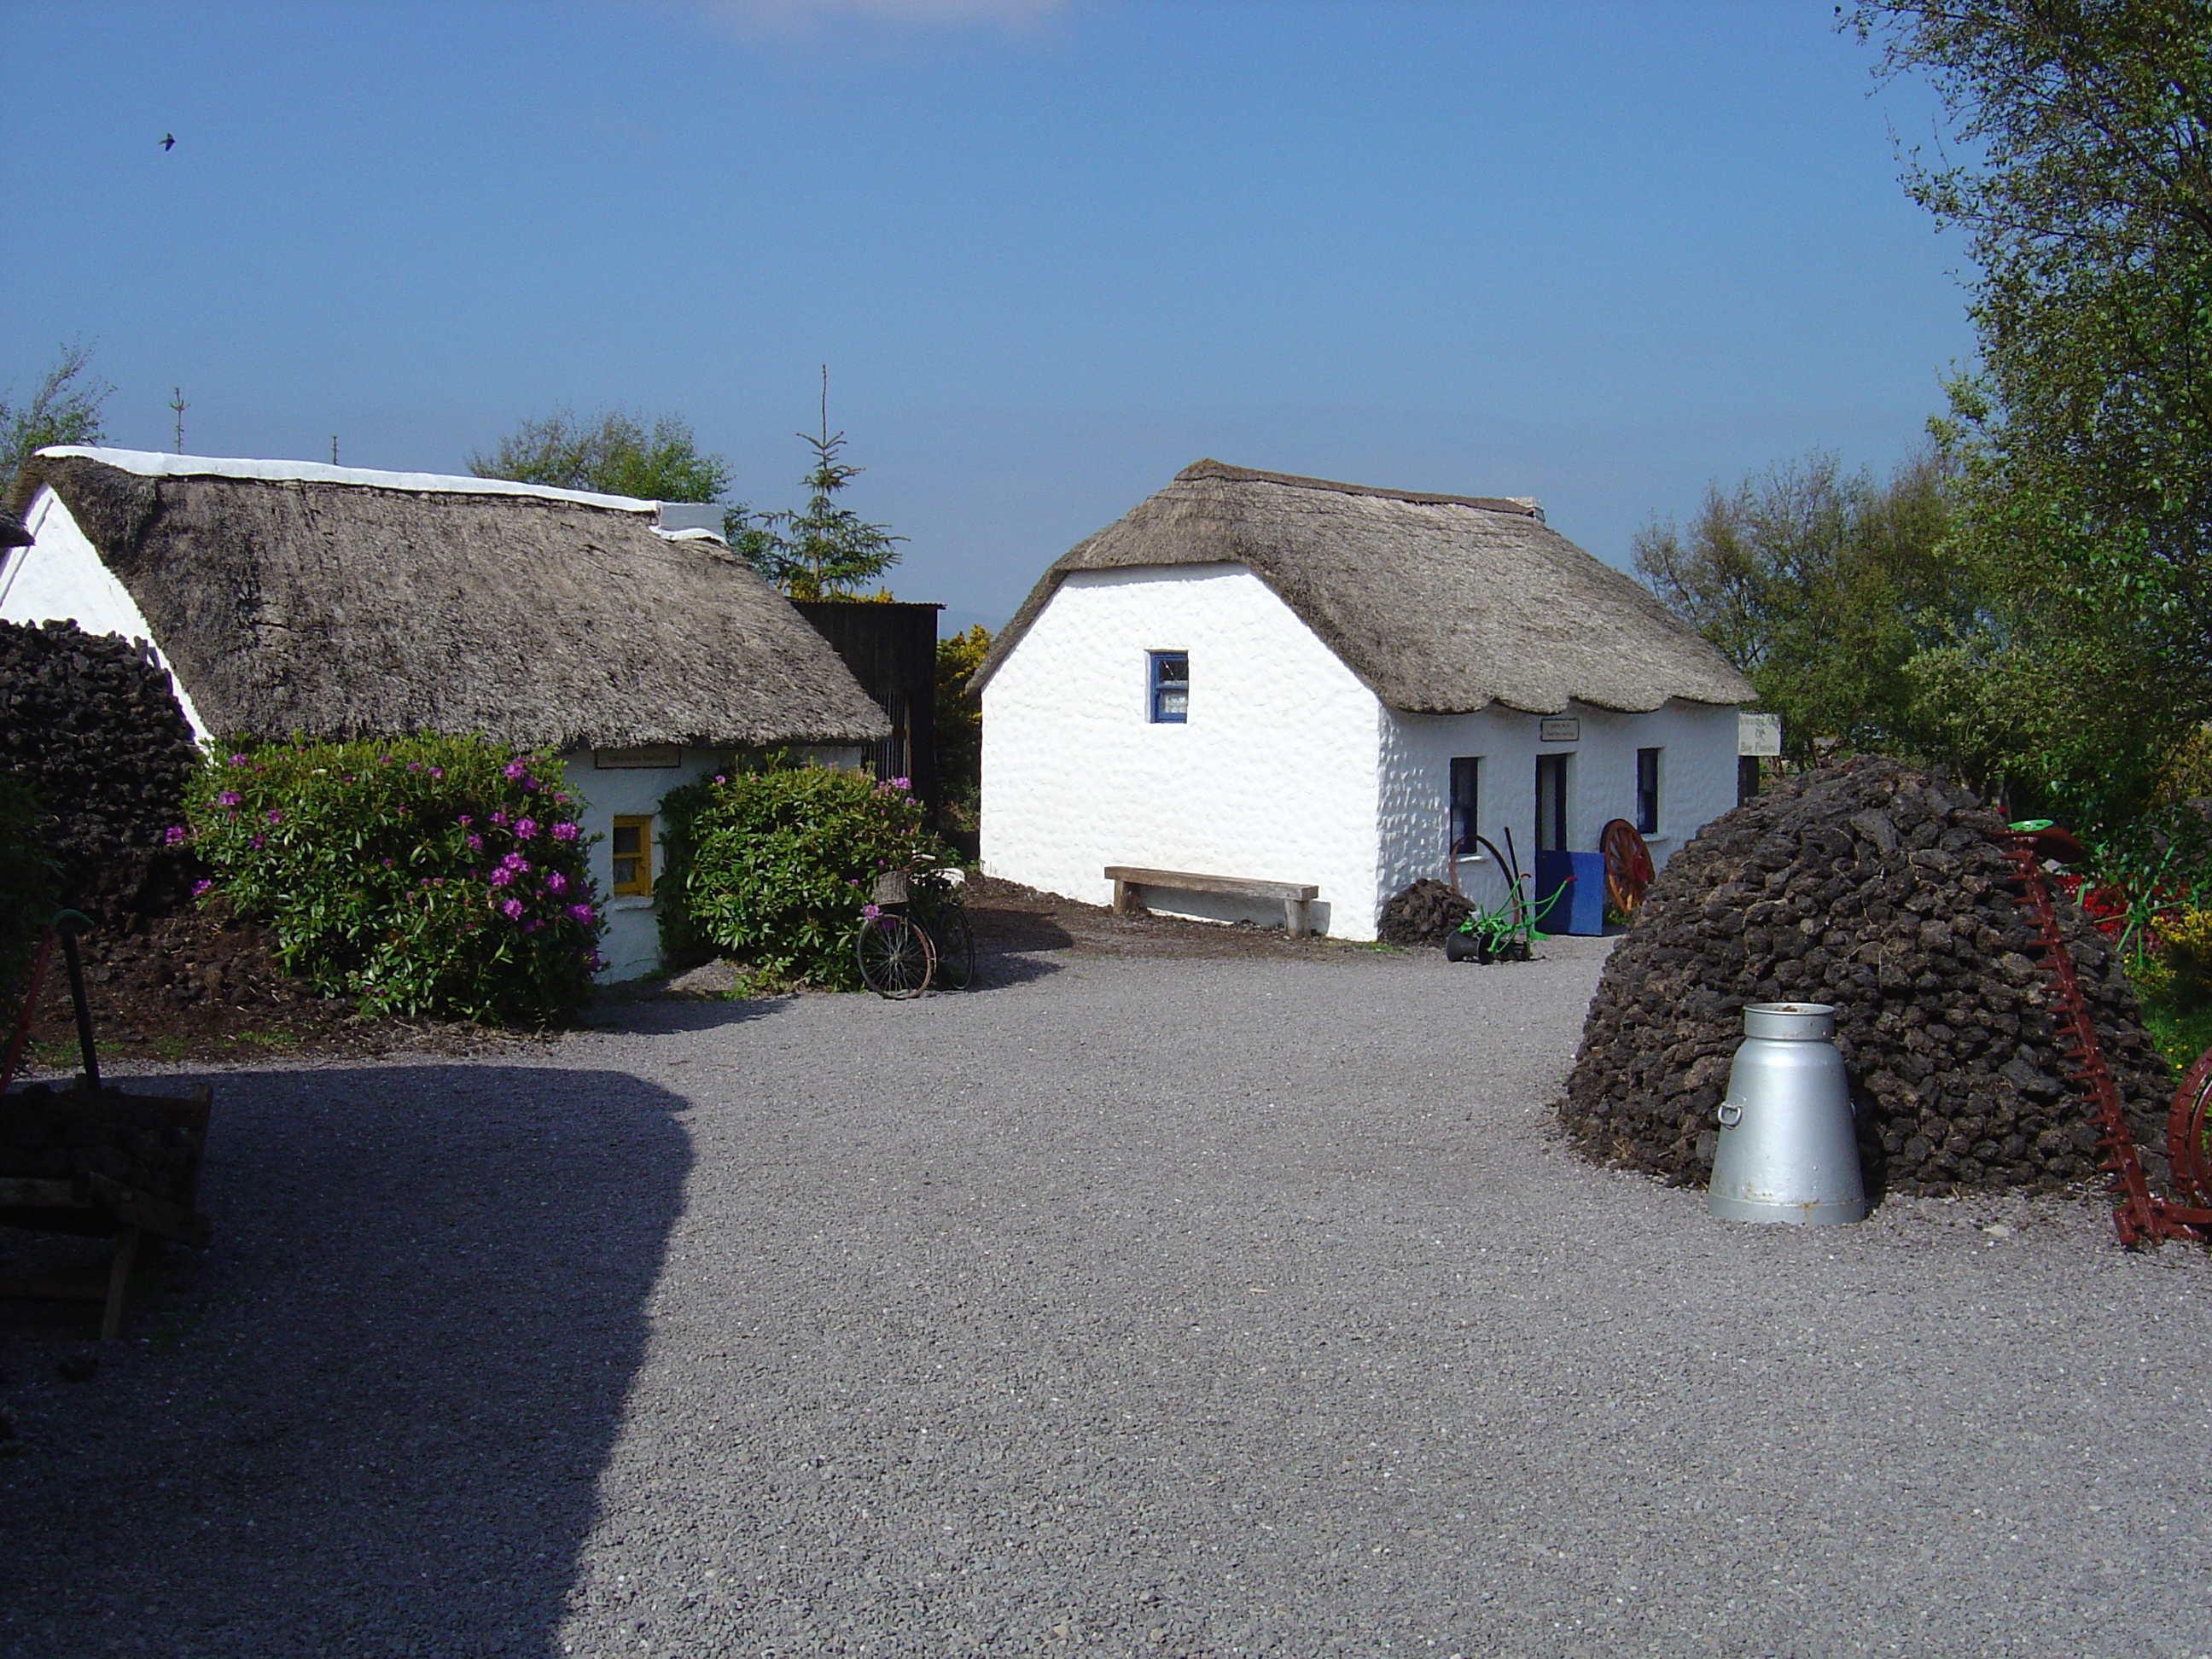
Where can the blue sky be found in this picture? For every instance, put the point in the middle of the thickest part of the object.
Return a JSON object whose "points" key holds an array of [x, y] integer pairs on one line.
{"points": [[1050, 250]]}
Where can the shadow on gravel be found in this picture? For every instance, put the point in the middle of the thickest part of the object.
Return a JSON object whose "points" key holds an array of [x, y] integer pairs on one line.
{"points": [[662, 1016], [371, 1418]]}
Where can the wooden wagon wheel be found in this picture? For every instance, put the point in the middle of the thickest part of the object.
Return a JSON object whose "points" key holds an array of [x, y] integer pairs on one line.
{"points": [[2185, 1132], [1627, 865]]}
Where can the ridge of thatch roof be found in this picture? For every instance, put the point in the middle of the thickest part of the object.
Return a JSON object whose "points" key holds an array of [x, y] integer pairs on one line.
{"points": [[1439, 604], [330, 602]]}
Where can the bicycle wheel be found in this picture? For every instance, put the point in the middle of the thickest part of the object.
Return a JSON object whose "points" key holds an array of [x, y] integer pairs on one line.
{"points": [[956, 948], [895, 956]]}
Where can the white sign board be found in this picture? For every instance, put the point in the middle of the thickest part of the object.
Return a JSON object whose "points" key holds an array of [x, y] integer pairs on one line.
{"points": [[1560, 731], [1758, 734]]}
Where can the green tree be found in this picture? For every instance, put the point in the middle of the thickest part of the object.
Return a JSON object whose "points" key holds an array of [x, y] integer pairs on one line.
{"points": [[2079, 158], [825, 550], [1837, 595], [614, 453], [960, 727], [63, 410]]}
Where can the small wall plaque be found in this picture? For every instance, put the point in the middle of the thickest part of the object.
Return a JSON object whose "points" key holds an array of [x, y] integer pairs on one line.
{"points": [[1560, 731], [656, 756]]}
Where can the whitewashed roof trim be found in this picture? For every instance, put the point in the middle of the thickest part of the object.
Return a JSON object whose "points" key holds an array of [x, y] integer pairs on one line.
{"points": [[155, 464]]}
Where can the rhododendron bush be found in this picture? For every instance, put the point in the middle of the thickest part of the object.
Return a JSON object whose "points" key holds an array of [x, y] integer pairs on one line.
{"points": [[425, 875]]}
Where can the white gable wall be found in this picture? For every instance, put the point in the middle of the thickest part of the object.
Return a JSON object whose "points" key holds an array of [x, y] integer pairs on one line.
{"points": [[1274, 775], [61, 576], [1697, 781]]}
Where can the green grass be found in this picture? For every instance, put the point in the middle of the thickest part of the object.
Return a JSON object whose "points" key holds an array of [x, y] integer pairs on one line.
{"points": [[2180, 1037]]}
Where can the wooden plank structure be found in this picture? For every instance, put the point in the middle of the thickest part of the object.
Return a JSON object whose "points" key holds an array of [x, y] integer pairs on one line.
{"points": [[91, 1204], [1295, 896], [53, 1144]]}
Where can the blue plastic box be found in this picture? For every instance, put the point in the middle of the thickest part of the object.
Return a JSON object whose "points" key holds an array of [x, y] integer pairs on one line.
{"points": [[1581, 909]]}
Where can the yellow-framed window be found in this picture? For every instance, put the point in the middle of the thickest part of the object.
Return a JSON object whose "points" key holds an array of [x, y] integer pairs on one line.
{"points": [[633, 857]]}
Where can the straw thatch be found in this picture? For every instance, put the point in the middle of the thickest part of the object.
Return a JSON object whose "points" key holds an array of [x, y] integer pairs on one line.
{"points": [[299, 598], [1441, 604]]}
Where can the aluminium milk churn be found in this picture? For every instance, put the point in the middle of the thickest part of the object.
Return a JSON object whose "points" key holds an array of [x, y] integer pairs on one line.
{"points": [[1786, 1150]]}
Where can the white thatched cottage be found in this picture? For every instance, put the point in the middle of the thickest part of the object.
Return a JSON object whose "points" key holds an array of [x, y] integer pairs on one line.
{"points": [[1277, 679], [334, 603]]}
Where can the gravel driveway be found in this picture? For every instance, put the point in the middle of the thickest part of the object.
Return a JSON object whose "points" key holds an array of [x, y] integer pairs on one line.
{"points": [[1129, 1305]]}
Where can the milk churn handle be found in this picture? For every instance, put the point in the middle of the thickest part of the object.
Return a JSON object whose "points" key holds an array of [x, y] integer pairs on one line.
{"points": [[1730, 1114]]}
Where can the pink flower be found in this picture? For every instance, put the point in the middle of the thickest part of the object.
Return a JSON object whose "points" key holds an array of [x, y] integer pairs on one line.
{"points": [[510, 908], [257, 843], [515, 862], [275, 817], [719, 778], [174, 835], [514, 768], [502, 877], [238, 760], [564, 832], [581, 912], [525, 828], [869, 912], [465, 820], [228, 798], [200, 889], [387, 864], [475, 843], [499, 818], [437, 771], [555, 882], [901, 783]]}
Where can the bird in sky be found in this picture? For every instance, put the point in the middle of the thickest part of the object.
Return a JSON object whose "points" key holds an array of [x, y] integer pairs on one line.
{"points": [[168, 141]]}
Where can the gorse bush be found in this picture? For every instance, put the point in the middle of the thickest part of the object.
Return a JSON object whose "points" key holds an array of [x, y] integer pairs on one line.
{"points": [[28, 890], [423, 875], [775, 866]]}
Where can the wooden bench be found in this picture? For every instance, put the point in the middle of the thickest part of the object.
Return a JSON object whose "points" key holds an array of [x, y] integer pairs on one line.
{"points": [[1295, 896]]}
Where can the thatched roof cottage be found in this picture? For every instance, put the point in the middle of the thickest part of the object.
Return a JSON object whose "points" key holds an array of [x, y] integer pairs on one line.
{"points": [[286, 597], [1262, 676]]}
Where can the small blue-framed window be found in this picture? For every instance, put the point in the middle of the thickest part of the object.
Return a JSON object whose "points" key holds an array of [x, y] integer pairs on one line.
{"points": [[1170, 687]]}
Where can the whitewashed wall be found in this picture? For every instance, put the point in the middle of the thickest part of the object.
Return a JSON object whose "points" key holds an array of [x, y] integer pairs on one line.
{"points": [[61, 576], [1274, 776], [1697, 781], [631, 944]]}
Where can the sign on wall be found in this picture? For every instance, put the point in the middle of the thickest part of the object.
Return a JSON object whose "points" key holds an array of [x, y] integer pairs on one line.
{"points": [[1758, 734], [1560, 731]]}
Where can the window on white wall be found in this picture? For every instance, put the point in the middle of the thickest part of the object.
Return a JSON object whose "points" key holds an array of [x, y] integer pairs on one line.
{"points": [[1170, 687], [1466, 798], [1647, 791]]}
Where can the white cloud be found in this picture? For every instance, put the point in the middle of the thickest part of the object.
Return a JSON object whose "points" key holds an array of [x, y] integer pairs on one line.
{"points": [[799, 16]]}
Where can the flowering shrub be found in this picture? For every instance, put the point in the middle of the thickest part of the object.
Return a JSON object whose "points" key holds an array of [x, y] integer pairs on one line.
{"points": [[776, 865], [424, 875]]}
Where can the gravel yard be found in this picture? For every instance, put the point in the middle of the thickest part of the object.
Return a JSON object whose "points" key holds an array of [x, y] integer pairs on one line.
{"points": [[1128, 1304]]}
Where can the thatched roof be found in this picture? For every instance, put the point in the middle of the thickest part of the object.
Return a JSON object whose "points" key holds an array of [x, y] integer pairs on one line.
{"points": [[1440, 603], [331, 602]]}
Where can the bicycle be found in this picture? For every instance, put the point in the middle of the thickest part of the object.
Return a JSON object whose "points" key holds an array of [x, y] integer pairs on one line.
{"points": [[918, 934]]}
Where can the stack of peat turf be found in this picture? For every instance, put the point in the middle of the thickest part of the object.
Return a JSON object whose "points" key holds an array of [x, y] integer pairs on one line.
{"points": [[1880, 890]]}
